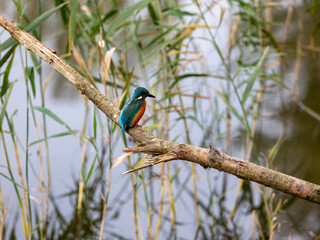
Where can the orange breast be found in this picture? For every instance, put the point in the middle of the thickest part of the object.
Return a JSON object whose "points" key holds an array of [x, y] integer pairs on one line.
{"points": [[139, 115]]}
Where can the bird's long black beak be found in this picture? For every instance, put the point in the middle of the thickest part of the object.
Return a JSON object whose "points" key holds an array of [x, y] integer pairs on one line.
{"points": [[150, 95]]}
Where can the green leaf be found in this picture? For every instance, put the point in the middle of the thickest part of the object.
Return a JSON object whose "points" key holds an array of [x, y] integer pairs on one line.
{"points": [[30, 76], [7, 55], [91, 168], [62, 134], [53, 116], [12, 180], [274, 150], [178, 13], [82, 171], [35, 62], [19, 7], [73, 17], [233, 110], [4, 104], [125, 14], [194, 75], [161, 37], [5, 83], [153, 14], [96, 157], [109, 14], [95, 122], [253, 77], [155, 51], [175, 175], [39, 20], [194, 118], [63, 12]]}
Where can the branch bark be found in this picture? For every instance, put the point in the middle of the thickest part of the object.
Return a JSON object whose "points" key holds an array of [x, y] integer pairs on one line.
{"points": [[164, 151]]}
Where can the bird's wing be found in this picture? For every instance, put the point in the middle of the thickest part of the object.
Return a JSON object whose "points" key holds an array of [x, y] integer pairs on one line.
{"points": [[130, 111]]}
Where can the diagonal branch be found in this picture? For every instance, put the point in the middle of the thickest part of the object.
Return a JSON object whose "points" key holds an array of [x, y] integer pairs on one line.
{"points": [[163, 151]]}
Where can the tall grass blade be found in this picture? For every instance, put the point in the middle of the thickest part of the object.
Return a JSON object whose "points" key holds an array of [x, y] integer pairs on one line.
{"points": [[7, 55], [72, 24], [53, 116], [5, 83], [62, 134], [253, 77], [4, 104], [30, 75]]}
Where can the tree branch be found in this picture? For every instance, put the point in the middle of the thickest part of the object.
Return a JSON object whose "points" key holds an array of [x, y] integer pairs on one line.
{"points": [[164, 151]]}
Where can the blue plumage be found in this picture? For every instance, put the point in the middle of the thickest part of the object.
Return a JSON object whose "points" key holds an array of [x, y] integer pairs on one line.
{"points": [[134, 109]]}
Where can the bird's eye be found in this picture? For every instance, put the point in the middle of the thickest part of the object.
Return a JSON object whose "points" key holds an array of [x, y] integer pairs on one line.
{"points": [[139, 98]]}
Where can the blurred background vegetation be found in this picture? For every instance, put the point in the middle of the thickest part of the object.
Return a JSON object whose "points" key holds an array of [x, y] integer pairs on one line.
{"points": [[239, 75]]}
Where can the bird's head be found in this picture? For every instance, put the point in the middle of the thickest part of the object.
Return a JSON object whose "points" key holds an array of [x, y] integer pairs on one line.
{"points": [[141, 93]]}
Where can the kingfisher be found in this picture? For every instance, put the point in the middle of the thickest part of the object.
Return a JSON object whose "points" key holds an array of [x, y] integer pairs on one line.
{"points": [[134, 109]]}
